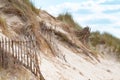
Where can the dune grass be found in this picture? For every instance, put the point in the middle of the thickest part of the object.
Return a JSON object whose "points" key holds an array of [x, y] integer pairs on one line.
{"points": [[109, 40], [26, 5], [32, 7], [68, 19], [2, 22], [5, 29]]}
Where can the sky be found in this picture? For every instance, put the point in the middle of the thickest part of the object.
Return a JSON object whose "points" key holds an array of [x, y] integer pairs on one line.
{"points": [[99, 15]]}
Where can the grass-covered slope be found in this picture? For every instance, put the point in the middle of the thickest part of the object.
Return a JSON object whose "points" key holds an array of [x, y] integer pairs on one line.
{"points": [[106, 39], [95, 38]]}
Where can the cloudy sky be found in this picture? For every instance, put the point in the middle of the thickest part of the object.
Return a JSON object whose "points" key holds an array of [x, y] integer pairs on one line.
{"points": [[100, 15]]}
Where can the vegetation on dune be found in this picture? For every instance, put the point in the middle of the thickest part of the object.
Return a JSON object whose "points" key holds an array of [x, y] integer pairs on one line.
{"points": [[5, 29], [26, 10], [2, 22], [68, 19], [33, 8], [109, 40], [62, 37], [3, 26], [78, 30], [95, 38]]}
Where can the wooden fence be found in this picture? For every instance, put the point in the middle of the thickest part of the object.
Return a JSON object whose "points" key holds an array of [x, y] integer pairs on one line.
{"points": [[48, 32], [23, 52]]}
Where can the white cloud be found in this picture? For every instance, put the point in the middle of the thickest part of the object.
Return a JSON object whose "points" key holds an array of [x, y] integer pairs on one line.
{"points": [[57, 9], [71, 6]]}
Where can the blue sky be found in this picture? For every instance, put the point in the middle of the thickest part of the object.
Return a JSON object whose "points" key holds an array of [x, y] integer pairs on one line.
{"points": [[99, 15]]}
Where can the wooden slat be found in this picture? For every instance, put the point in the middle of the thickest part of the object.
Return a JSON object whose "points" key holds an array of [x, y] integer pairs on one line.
{"points": [[19, 54], [2, 53], [5, 54], [26, 50], [24, 53], [21, 50]]}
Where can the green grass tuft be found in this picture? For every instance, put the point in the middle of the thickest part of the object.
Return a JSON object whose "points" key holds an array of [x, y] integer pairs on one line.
{"points": [[96, 38], [68, 19]]}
